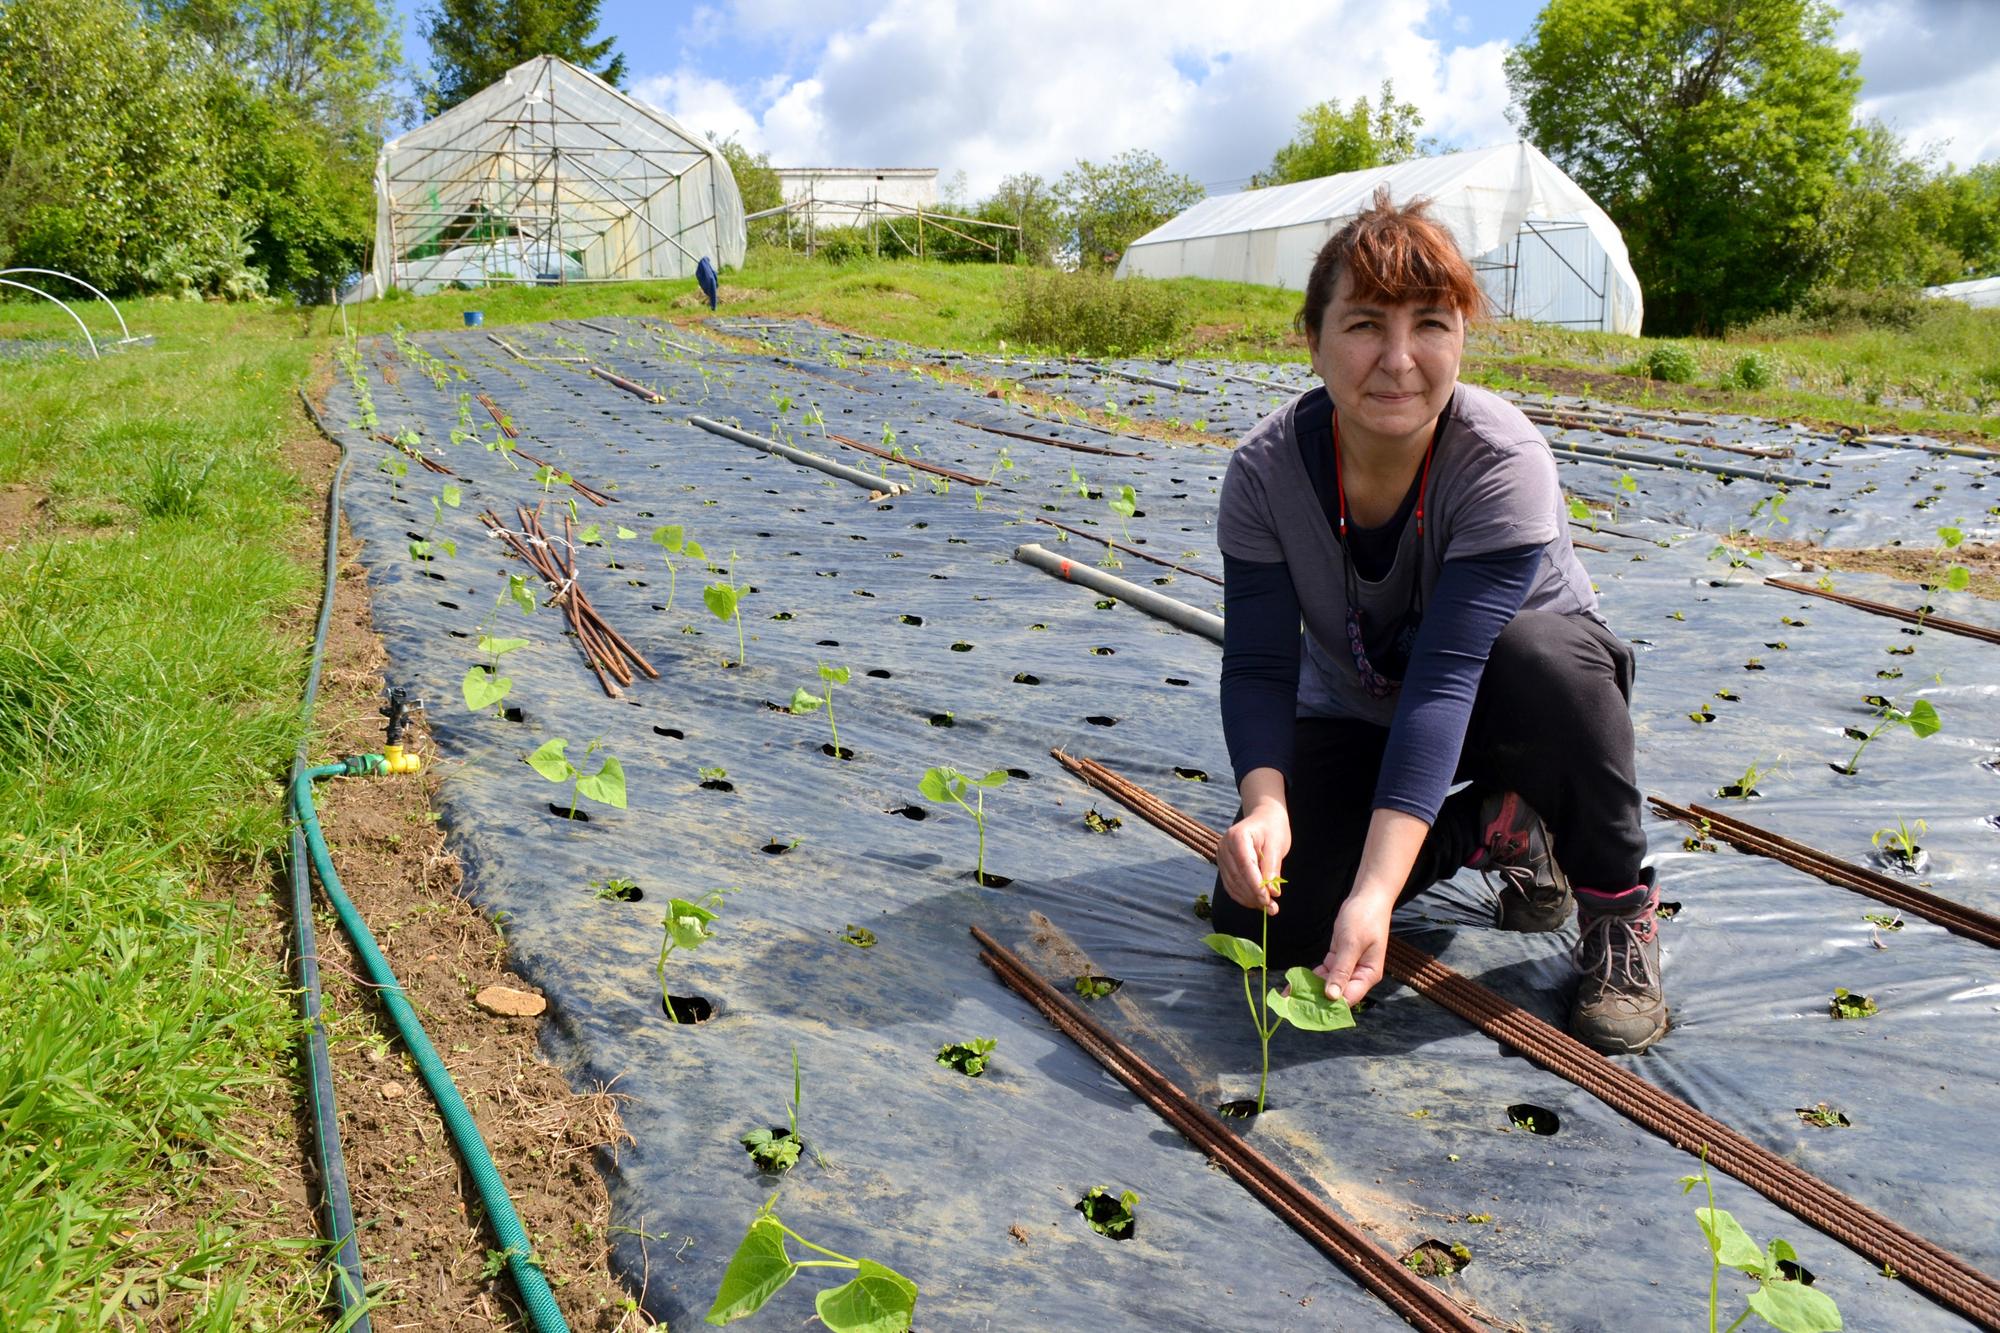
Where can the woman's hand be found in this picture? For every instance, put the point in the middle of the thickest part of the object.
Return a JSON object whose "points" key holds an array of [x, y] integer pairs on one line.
{"points": [[1253, 850], [1355, 958]]}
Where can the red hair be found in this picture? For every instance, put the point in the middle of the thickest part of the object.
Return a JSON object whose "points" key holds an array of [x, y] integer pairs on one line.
{"points": [[1397, 256]]}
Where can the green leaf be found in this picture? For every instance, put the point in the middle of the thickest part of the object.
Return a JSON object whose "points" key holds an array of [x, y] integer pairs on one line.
{"points": [[606, 786], [804, 703], [720, 599], [450, 547], [669, 536], [499, 647], [483, 689], [625, 534], [1309, 1007], [1127, 503], [1246, 954], [549, 762], [591, 535], [451, 496], [1729, 1241], [1950, 537], [1579, 511], [687, 922], [875, 1300], [420, 550], [1795, 1308], [936, 783], [997, 778], [759, 1268], [836, 675], [517, 588], [1958, 578], [1923, 718], [694, 551]]}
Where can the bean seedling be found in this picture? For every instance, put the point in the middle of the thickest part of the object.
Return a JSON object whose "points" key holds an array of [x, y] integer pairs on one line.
{"points": [[725, 602], [421, 548], [685, 927], [804, 701], [484, 687], [673, 540], [1921, 719], [945, 783], [877, 1299], [1780, 1300], [1307, 1005], [967, 1057], [606, 786], [1110, 1215], [777, 1151]]}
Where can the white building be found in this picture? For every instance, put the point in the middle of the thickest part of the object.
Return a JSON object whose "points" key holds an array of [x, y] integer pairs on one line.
{"points": [[846, 196], [1543, 249]]}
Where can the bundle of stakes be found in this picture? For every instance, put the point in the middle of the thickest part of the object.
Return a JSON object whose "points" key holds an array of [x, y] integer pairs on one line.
{"points": [[506, 425], [605, 650]]}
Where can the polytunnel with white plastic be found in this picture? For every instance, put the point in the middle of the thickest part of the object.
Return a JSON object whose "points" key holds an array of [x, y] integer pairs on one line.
{"points": [[550, 176], [1544, 251]]}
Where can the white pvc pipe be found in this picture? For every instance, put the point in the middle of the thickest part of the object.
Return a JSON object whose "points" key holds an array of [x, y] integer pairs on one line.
{"points": [[54, 273], [95, 354]]}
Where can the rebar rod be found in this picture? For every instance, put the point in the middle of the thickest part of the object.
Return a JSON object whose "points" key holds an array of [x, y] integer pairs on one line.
{"points": [[1984, 633], [1048, 440]]}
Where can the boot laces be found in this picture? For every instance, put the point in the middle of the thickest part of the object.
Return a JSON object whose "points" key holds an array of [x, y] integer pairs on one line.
{"points": [[1615, 947]]}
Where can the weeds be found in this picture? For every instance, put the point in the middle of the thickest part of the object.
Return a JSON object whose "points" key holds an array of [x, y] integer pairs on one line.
{"points": [[967, 1057], [1112, 1215], [775, 1151]]}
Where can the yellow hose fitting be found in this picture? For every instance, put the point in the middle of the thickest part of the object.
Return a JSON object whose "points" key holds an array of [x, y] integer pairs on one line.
{"points": [[396, 760]]}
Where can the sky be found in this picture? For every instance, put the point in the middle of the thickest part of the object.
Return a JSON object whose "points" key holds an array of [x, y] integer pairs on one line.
{"points": [[990, 89]]}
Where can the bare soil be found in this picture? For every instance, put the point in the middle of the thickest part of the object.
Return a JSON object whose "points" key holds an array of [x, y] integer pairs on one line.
{"points": [[1911, 564], [423, 1243], [21, 511]]}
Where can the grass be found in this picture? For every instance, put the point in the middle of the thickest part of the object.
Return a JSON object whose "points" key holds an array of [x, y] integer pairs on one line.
{"points": [[147, 704]]}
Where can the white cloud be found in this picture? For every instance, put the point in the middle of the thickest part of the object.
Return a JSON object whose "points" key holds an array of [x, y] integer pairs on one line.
{"points": [[701, 104], [1032, 86], [1931, 70]]}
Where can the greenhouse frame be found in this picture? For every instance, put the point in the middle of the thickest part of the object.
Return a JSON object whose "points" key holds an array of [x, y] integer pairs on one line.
{"points": [[550, 176], [1544, 251]]}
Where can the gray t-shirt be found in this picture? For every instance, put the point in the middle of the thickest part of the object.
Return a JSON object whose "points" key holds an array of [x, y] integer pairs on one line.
{"points": [[1492, 488]]}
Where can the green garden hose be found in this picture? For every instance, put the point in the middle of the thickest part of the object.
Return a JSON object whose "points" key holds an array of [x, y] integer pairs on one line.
{"points": [[536, 1297]]}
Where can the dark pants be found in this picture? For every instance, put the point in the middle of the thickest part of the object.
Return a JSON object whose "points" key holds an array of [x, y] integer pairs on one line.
{"points": [[1552, 721]]}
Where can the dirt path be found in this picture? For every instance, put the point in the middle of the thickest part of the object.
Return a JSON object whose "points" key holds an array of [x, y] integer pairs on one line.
{"points": [[422, 1242]]}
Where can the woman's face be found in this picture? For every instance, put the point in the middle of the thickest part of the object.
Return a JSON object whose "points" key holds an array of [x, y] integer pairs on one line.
{"points": [[1390, 369]]}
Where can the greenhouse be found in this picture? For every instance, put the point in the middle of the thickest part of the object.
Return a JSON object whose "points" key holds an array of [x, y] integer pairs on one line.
{"points": [[550, 176], [1543, 249]]}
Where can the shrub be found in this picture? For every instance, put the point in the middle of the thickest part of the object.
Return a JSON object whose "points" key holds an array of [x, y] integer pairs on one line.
{"points": [[1752, 371], [1671, 363], [841, 245], [1832, 308], [1092, 314]]}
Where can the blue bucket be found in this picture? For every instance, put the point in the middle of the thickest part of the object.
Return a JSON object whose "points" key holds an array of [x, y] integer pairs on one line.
{"points": [[474, 318]]}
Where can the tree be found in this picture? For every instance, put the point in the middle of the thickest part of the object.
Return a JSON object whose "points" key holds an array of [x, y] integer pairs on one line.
{"points": [[1105, 208], [1024, 200], [474, 42], [1330, 141], [1887, 224], [1713, 132], [111, 162]]}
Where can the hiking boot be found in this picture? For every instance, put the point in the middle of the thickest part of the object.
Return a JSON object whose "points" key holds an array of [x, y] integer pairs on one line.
{"points": [[1514, 847], [1620, 1008]]}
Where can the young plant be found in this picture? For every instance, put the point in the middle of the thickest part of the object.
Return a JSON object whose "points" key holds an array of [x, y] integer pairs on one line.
{"points": [[685, 926], [397, 467], [1902, 845], [1921, 719], [776, 1151], [946, 783], [1780, 1300], [967, 1057], [484, 687], [804, 702], [1108, 1214], [1954, 578], [1847, 1004], [877, 1299], [606, 786], [448, 498], [725, 602], [1125, 505], [673, 540], [1745, 787], [1307, 1006]]}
